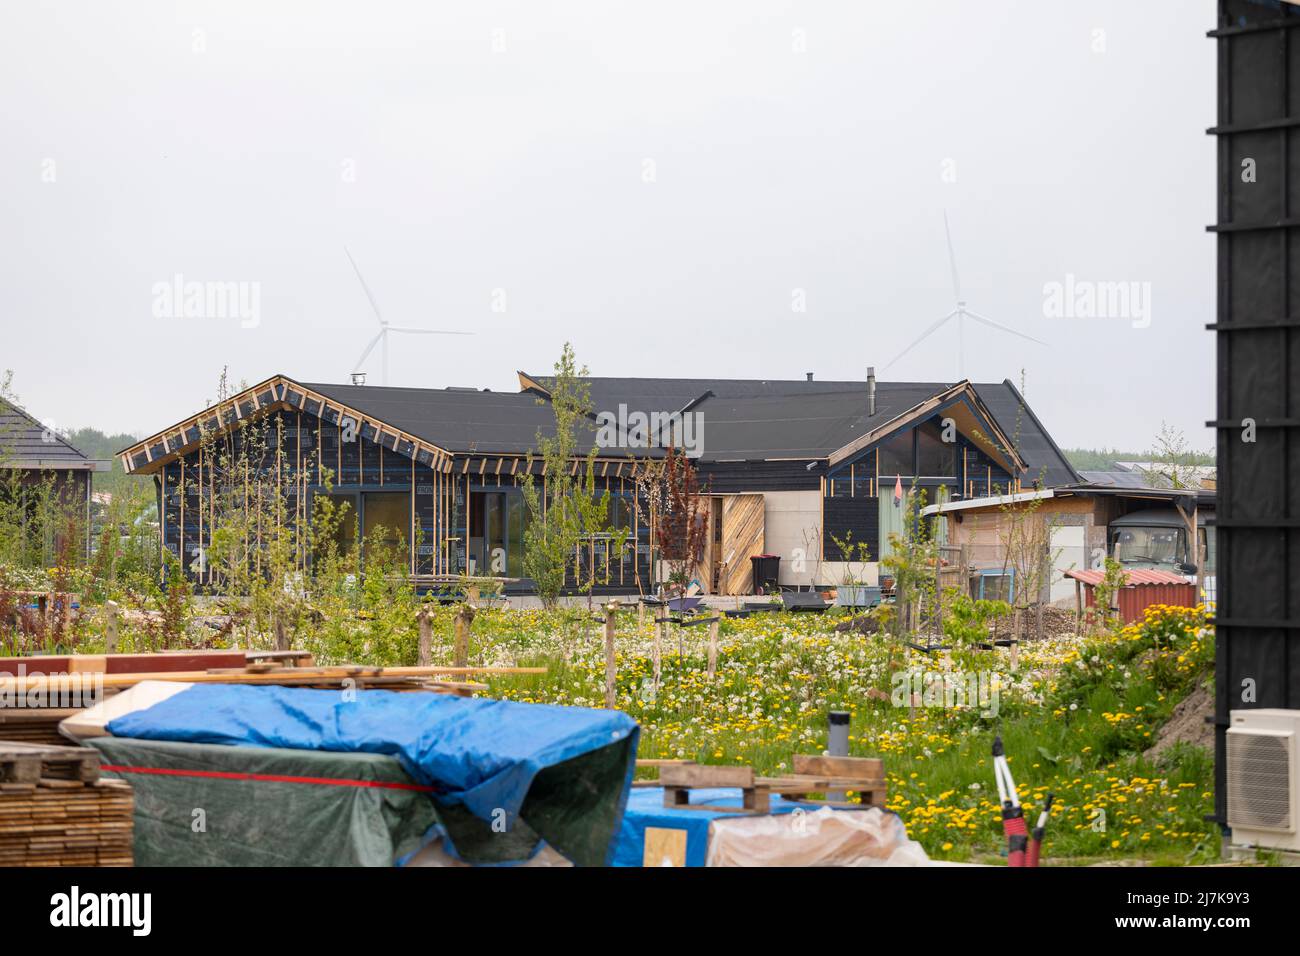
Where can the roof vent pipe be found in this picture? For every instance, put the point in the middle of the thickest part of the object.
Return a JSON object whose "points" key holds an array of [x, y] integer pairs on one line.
{"points": [[809, 374], [871, 390]]}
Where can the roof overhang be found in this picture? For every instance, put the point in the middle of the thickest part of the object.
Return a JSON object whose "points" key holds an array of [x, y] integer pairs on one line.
{"points": [[278, 392], [58, 464], [995, 444], [992, 501]]}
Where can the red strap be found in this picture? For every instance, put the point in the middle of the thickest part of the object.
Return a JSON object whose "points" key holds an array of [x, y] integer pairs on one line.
{"points": [[270, 778]]}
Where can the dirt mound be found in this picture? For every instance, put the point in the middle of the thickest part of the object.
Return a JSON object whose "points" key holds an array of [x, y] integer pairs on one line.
{"points": [[1187, 724], [862, 624]]}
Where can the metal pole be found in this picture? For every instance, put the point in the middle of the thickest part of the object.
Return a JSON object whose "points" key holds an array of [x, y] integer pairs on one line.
{"points": [[837, 745]]}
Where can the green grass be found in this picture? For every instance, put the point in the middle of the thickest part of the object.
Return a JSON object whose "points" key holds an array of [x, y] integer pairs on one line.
{"points": [[1075, 715]]}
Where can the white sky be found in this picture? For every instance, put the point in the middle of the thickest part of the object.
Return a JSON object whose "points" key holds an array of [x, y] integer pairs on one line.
{"points": [[523, 170]]}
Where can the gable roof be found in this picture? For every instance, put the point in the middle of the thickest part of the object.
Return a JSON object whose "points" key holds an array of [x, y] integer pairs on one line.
{"points": [[472, 421], [27, 444], [771, 419], [743, 419]]}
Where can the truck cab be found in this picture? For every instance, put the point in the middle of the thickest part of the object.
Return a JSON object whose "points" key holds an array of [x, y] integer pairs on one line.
{"points": [[1156, 538]]}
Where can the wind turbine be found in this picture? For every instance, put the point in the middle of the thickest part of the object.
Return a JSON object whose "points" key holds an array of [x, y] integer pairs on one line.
{"points": [[961, 314], [384, 327]]}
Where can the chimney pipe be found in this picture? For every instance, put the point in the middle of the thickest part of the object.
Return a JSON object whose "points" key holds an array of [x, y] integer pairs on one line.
{"points": [[871, 390], [809, 374]]}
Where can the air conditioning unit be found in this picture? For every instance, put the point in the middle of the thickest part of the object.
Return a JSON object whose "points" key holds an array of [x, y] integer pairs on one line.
{"points": [[1264, 778]]}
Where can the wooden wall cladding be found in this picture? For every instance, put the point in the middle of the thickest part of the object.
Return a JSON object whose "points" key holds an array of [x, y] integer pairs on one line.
{"points": [[743, 525]]}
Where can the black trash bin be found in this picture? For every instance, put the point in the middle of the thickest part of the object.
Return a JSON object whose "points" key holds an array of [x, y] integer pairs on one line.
{"points": [[767, 569]]}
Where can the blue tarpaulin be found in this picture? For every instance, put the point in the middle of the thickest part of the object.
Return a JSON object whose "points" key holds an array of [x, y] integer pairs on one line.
{"points": [[646, 808], [481, 755]]}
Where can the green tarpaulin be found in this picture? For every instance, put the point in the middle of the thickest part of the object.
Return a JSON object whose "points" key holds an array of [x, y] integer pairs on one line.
{"points": [[210, 805]]}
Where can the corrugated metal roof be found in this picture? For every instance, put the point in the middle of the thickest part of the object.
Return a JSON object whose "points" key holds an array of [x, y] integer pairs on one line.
{"points": [[1134, 576]]}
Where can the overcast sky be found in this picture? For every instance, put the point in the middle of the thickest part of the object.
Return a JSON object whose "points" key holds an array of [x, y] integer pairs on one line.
{"points": [[733, 189]]}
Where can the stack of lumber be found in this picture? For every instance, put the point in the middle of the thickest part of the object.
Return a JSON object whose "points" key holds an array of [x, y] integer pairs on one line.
{"points": [[274, 672], [813, 774], [56, 809], [34, 725]]}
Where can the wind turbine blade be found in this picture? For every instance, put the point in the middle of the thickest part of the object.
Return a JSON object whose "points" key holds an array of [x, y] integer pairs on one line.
{"points": [[369, 348], [979, 318], [933, 328], [373, 304], [398, 328], [952, 259]]}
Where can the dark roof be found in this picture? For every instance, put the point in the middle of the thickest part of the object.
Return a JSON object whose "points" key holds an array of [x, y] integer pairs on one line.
{"points": [[455, 419], [743, 419], [1118, 479], [755, 419], [26, 443]]}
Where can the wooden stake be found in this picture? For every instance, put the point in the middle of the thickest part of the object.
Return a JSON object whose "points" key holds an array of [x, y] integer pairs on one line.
{"points": [[611, 665], [110, 627], [464, 621], [426, 637], [657, 657], [713, 646]]}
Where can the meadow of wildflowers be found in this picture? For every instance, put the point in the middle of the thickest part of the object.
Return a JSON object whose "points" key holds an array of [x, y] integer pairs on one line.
{"points": [[1075, 713]]}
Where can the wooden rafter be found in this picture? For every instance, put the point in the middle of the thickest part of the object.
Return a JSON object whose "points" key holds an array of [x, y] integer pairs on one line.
{"points": [[176, 441]]}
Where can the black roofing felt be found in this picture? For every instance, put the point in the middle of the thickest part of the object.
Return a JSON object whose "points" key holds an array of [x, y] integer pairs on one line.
{"points": [[458, 420], [743, 419], [757, 419], [25, 441]]}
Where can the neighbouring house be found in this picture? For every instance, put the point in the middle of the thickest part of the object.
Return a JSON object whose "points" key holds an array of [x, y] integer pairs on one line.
{"points": [[1076, 526], [790, 466], [35, 460]]}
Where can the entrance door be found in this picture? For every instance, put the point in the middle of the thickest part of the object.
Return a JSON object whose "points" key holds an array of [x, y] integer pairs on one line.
{"points": [[1069, 552], [743, 524], [490, 552]]}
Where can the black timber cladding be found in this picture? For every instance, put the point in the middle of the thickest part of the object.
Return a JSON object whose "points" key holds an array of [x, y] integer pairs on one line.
{"points": [[1258, 355]]}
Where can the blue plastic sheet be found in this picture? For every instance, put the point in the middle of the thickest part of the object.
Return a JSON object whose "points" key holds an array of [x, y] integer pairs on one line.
{"points": [[480, 753]]}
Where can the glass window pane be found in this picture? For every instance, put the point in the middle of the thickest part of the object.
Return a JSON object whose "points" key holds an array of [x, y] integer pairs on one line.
{"points": [[345, 532], [518, 513], [936, 458], [390, 511], [896, 455]]}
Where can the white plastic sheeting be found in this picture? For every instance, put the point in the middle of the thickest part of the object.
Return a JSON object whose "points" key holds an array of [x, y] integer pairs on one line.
{"points": [[822, 837]]}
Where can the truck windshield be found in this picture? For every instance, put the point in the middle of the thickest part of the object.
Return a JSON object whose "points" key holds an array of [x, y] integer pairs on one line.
{"points": [[1152, 547]]}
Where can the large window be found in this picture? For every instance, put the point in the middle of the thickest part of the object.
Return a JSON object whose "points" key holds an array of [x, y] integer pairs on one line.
{"points": [[935, 457], [896, 455], [389, 511], [345, 511]]}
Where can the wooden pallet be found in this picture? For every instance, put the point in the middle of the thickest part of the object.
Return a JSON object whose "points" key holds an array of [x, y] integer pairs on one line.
{"points": [[24, 765], [68, 823], [813, 774]]}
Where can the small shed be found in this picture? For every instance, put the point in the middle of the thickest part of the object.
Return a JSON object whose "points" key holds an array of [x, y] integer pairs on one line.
{"points": [[1143, 587]]}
